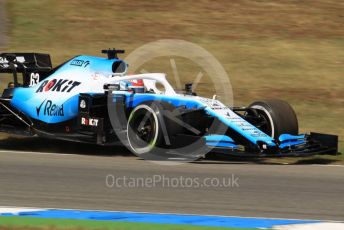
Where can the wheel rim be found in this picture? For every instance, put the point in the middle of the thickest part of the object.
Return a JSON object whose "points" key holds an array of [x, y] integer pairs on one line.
{"points": [[265, 124], [142, 129]]}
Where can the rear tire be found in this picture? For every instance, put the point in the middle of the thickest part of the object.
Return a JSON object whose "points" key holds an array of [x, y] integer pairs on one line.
{"points": [[278, 115]]}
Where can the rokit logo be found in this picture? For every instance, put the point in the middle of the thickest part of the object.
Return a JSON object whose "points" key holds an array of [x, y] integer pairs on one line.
{"points": [[89, 121], [57, 85], [48, 108]]}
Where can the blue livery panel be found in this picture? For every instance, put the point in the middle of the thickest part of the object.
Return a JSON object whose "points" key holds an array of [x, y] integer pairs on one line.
{"points": [[55, 99]]}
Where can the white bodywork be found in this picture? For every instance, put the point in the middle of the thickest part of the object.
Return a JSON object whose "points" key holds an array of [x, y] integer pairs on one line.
{"points": [[212, 106]]}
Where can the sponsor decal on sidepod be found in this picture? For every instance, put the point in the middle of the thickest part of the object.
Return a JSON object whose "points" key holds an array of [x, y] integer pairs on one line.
{"points": [[48, 108], [57, 85]]}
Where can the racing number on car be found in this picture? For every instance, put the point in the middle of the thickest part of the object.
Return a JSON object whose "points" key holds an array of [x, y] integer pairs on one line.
{"points": [[34, 79]]}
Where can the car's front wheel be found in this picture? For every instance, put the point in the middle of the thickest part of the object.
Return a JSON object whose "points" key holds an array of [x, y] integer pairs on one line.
{"points": [[276, 117], [143, 129]]}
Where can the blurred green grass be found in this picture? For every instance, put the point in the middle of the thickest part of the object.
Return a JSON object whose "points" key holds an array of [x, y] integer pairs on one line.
{"points": [[28, 223], [292, 50]]}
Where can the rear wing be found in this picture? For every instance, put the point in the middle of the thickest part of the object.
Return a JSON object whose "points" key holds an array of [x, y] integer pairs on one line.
{"points": [[33, 66], [24, 62]]}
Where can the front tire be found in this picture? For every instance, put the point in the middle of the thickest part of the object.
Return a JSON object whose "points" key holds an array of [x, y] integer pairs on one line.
{"points": [[143, 129], [277, 117]]}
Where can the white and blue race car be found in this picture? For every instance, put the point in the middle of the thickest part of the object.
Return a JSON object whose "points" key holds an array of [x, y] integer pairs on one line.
{"points": [[92, 99]]}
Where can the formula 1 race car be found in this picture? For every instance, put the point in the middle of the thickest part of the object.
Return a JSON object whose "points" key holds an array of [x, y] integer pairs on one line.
{"points": [[92, 99]]}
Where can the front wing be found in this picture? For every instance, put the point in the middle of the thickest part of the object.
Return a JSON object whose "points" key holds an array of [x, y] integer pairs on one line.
{"points": [[287, 146]]}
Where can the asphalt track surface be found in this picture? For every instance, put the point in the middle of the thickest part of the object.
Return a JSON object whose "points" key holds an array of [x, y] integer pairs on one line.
{"points": [[76, 179]]}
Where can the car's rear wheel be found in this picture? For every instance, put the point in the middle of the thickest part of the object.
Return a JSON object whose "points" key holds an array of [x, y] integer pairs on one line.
{"points": [[276, 117]]}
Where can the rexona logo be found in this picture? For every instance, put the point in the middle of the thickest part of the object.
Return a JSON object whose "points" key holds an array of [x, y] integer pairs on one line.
{"points": [[57, 85], [48, 108]]}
